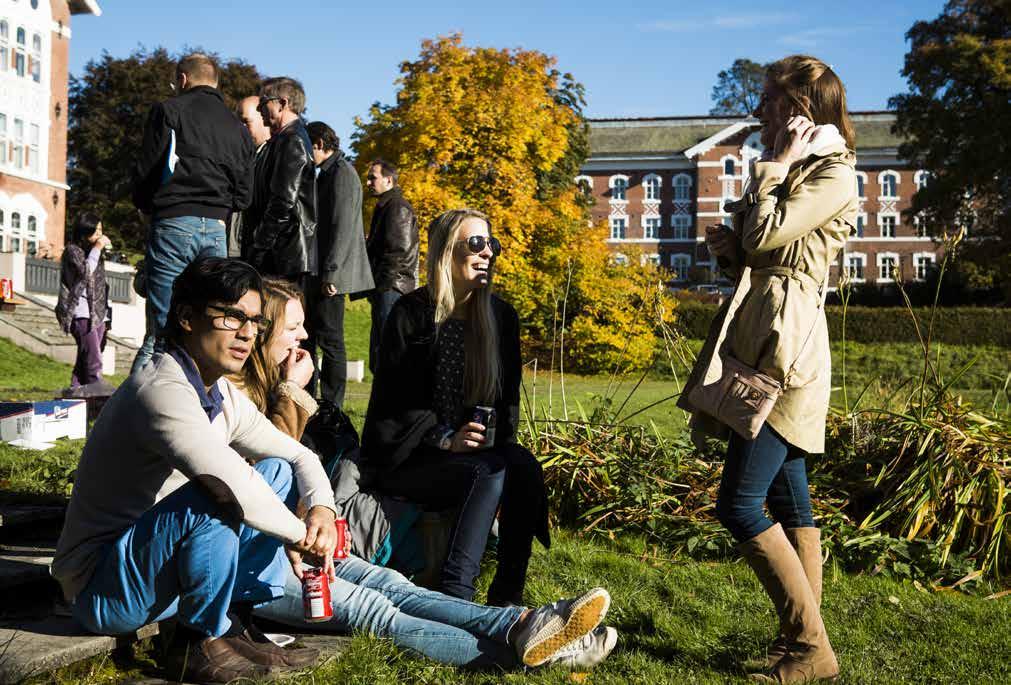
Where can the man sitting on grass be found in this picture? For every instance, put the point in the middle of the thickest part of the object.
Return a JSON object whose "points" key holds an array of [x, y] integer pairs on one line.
{"points": [[167, 518]]}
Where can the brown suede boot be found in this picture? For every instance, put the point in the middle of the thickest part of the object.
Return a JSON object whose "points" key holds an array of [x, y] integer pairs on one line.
{"points": [[809, 655], [807, 542]]}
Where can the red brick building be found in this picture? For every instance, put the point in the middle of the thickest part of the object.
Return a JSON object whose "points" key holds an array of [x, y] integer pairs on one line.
{"points": [[34, 55], [659, 182]]}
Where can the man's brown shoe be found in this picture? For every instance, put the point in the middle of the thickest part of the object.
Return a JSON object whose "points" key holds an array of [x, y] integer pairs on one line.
{"points": [[297, 657], [213, 660]]}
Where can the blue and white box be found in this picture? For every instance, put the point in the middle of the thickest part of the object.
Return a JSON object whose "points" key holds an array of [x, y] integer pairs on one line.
{"points": [[37, 423]]}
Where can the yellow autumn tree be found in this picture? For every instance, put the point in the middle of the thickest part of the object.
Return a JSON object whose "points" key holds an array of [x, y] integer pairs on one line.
{"points": [[502, 131]]}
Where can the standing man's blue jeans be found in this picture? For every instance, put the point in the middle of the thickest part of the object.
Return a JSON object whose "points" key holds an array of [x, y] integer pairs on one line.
{"points": [[181, 559], [172, 245], [382, 602], [767, 468], [382, 302]]}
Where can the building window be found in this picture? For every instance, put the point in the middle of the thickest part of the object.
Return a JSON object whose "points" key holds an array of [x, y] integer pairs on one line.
{"points": [[3, 140], [36, 60], [888, 263], [651, 187], [33, 148], [619, 187], [653, 259], [920, 179], [5, 54], [861, 184], [861, 220], [682, 188], [20, 58], [15, 232], [680, 264], [922, 265], [855, 264], [18, 145], [682, 226], [728, 167], [651, 227], [617, 228], [887, 224], [585, 185], [620, 259], [889, 181], [35, 4]]}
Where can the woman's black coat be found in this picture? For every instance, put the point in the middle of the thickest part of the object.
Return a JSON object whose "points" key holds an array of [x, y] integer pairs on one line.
{"points": [[402, 408]]}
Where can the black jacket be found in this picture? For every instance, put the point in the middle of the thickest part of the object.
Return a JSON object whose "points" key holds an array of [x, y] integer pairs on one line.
{"points": [[402, 406], [196, 158], [393, 243], [341, 233], [279, 229]]}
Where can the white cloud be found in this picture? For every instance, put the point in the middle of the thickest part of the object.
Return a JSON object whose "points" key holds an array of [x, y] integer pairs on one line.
{"points": [[728, 21], [812, 38]]}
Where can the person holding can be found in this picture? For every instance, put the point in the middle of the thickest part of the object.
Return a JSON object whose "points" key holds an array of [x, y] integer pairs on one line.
{"points": [[450, 350]]}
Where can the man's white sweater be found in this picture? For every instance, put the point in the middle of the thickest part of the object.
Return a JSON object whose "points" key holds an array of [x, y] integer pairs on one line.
{"points": [[151, 438]]}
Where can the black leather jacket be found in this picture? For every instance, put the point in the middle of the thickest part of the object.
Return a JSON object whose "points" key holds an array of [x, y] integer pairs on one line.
{"points": [[393, 243], [280, 226]]}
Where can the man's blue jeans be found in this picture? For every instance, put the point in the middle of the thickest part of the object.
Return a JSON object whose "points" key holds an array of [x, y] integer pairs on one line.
{"points": [[382, 302], [766, 469], [181, 559], [171, 246], [384, 603]]}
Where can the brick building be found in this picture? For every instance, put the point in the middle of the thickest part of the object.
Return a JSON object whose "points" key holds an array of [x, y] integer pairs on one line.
{"points": [[659, 182], [34, 55]]}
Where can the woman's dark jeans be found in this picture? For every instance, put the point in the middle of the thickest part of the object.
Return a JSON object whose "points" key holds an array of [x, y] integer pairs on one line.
{"points": [[477, 482], [766, 469]]}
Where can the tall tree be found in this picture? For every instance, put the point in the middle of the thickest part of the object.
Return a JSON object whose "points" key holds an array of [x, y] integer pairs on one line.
{"points": [[739, 88], [502, 131], [956, 122], [109, 104]]}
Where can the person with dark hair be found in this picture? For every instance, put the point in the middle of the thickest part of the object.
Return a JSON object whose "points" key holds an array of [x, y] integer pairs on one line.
{"points": [[279, 229], [193, 170], [392, 247], [83, 308], [168, 518], [344, 264]]}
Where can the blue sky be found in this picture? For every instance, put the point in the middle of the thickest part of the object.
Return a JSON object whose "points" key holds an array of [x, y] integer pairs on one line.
{"points": [[636, 59]]}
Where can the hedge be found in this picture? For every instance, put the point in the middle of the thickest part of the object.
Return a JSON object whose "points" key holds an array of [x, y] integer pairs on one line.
{"points": [[952, 325]]}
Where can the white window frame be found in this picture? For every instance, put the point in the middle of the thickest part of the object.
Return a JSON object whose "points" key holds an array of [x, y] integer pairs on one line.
{"points": [[4, 153], [677, 235], [21, 50], [653, 257], [879, 259], [682, 181], [862, 175], [657, 223], [5, 46], [588, 179], [863, 266], [723, 167], [677, 260], [920, 178], [861, 233], [917, 256], [611, 223], [881, 225], [612, 181], [620, 259], [652, 181], [881, 185], [18, 144]]}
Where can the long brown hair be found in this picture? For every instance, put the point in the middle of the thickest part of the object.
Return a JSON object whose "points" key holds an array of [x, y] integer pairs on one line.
{"points": [[814, 90], [260, 374], [482, 368]]}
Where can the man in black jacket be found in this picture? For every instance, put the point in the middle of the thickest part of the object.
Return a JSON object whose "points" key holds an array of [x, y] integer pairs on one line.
{"points": [[392, 247], [248, 111], [194, 167], [279, 229], [344, 265]]}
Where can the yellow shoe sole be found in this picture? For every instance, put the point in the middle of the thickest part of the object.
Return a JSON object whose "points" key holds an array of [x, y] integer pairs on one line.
{"points": [[584, 617]]}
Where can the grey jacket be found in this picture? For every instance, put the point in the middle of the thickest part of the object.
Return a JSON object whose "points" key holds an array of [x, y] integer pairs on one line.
{"points": [[340, 231]]}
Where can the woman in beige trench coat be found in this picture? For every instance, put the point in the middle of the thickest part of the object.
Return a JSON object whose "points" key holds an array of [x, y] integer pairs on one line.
{"points": [[796, 214]]}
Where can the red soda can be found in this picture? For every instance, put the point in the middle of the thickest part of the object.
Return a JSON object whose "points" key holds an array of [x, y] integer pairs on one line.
{"points": [[341, 552], [316, 605]]}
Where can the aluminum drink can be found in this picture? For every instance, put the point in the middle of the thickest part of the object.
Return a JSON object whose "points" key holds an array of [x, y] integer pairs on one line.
{"points": [[340, 553], [486, 417], [316, 605]]}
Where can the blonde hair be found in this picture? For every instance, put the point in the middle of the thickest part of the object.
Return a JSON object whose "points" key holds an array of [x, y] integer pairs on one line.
{"points": [[261, 375], [814, 90], [482, 382]]}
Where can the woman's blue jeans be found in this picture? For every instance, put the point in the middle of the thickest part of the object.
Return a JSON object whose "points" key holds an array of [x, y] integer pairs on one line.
{"points": [[382, 602], [182, 559], [764, 470]]}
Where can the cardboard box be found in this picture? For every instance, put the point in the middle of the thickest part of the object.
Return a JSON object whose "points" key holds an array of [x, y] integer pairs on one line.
{"points": [[30, 424]]}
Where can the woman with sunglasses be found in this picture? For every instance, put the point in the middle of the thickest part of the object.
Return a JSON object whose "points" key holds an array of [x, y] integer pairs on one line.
{"points": [[449, 347]]}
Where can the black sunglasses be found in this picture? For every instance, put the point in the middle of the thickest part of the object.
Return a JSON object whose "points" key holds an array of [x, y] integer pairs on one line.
{"points": [[477, 243], [234, 319]]}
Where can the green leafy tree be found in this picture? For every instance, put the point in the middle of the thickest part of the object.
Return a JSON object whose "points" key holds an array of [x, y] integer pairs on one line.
{"points": [[739, 88], [109, 104], [956, 122]]}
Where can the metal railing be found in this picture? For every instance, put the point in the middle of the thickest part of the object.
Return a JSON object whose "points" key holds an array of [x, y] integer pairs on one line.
{"points": [[43, 276]]}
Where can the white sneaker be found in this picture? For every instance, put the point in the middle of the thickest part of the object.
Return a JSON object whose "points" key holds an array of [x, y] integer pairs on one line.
{"points": [[587, 651], [553, 626]]}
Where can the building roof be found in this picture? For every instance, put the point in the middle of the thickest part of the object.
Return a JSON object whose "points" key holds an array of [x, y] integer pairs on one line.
{"points": [[675, 135], [85, 7]]}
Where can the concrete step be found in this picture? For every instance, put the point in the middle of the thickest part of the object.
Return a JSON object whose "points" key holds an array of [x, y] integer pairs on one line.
{"points": [[36, 647], [24, 564], [12, 515]]}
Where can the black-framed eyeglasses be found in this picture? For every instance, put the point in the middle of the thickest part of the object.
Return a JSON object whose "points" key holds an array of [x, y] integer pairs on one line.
{"points": [[265, 99], [233, 319], [477, 243]]}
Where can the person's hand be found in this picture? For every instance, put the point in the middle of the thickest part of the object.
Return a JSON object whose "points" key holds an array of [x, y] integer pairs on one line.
{"points": [[298, 367], [792, 139], [320, 541], [469, 438], [104, 243], [328, 289], [721, 241]]}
